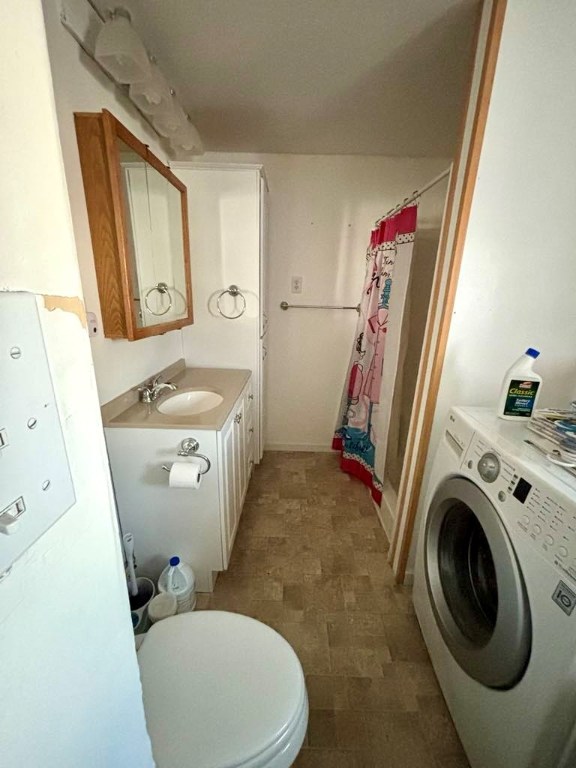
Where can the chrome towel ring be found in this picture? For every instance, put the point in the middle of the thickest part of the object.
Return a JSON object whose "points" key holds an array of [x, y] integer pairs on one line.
{"points": [[234, 291], [162, 289]]}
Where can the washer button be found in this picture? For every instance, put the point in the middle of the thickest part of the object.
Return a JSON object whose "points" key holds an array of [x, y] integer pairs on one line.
{"points": [[501, 496], [549, 540], [562, 551], [536, 529], [525, 519]]}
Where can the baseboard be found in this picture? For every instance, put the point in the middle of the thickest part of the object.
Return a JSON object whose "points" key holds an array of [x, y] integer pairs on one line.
{"points": [[311, 447], [386, 514]]}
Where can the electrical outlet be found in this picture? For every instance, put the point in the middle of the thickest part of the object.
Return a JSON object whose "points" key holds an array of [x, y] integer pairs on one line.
{"points": [[92, 324], [296, 285]]}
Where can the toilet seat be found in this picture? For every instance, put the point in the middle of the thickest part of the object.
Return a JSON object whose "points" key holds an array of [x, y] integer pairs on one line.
{"points": [[222, 690]]}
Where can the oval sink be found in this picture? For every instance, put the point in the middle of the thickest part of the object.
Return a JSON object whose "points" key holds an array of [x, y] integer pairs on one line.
{"points": [[190, 403]]}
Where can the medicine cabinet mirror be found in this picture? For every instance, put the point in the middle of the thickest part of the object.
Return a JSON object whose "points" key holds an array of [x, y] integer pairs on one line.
{"points": [[138, 217]]}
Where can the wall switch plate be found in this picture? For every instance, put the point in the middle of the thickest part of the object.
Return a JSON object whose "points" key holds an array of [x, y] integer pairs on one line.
{"points": [[296, 285], [92, 324], [35, 482]]}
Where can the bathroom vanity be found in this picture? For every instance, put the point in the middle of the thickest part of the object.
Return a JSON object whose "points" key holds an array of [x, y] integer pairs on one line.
{"points": [[199, 524]]}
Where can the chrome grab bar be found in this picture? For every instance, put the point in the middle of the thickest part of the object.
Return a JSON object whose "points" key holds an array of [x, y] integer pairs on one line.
{"points": [[285, 305]]}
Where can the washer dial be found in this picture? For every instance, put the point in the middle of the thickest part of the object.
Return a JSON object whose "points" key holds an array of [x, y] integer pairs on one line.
{"points": [[489, 467]]}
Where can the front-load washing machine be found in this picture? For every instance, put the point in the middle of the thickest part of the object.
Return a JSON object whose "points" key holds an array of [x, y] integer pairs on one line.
{"points": [[495, 592]]}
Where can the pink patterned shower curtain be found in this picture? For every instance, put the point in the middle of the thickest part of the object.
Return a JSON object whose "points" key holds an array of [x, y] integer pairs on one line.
{"points": [[356, 436]]}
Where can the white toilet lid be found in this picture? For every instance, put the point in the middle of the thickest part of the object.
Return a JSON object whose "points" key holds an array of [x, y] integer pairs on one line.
{"points": [[219, 689]]}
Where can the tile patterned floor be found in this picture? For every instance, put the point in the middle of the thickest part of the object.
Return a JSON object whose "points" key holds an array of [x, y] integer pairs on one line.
{"points": [[310, 561]]}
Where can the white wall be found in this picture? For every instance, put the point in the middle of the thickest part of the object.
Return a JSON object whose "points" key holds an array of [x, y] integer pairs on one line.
{"points": [[69, 677], [80, 86], [518, 277], [322, 209]]}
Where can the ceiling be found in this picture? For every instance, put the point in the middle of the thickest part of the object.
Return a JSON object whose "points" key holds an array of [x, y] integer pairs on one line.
{"points": [[369, 77]]}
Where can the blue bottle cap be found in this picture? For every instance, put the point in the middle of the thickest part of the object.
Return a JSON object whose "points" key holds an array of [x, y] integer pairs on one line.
{"points": [[532, 352], [174, 561]]}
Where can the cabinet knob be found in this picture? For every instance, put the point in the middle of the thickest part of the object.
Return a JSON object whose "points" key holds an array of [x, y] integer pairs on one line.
{"points": [[238, 418], [250, 397], [251, 429]]}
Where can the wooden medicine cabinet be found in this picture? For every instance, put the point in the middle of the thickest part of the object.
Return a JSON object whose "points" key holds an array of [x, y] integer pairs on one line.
{"points": [[138, 217]]}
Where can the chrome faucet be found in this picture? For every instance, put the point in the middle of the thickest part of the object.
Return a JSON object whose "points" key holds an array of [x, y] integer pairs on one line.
{"points": [[151, 391]]}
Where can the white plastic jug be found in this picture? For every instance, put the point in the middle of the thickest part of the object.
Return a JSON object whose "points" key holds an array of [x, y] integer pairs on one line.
{"points": [[178, 579], [520, 388]]}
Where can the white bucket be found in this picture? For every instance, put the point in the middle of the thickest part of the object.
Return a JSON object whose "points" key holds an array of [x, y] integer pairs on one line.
{"points": [[139, 604]]}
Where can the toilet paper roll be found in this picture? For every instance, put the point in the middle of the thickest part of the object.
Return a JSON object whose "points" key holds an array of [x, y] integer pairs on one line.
{"points": [[186, 474]]}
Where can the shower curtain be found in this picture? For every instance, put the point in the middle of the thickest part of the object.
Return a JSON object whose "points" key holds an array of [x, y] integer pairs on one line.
{"points": [[359, 424]]}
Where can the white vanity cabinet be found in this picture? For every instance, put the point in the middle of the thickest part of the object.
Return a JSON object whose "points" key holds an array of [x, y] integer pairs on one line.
{"points": [[228, 232], [236, 447], [198, 525]]}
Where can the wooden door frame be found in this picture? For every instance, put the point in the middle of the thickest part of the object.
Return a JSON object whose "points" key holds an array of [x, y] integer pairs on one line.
{"points": [[444, 288]]}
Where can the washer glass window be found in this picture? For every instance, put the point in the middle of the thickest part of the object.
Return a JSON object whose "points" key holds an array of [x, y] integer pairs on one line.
{"points": [[475, 585], [467, 574]]}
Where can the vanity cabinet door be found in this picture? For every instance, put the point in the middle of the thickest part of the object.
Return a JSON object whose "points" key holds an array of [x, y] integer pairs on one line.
{"points": [[249, 416], [240, 453], [245, 438], [229, 508], [237, 460]]}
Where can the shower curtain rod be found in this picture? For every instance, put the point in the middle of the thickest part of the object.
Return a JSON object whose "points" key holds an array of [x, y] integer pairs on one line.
{"points": [[415, 195]]}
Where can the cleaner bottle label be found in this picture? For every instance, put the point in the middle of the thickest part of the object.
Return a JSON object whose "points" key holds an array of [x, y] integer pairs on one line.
{"points": [[520, 398]]}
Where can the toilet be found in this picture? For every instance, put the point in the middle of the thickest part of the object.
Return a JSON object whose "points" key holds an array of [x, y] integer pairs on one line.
{"points": [[221, 690]]}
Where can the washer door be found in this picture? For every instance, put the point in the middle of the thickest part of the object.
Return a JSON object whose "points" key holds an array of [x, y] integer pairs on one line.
{"points": [[476, 586]]}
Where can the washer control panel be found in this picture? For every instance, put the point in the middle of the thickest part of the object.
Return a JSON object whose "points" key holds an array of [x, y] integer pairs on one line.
{"points": [[547, 519]]}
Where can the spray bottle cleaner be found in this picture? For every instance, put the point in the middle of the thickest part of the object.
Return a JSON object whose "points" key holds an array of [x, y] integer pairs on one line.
{"points": [[520, 388]]}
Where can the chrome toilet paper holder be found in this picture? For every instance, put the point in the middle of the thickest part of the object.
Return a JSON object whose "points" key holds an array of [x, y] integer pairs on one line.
{"points": [[189, 447]]}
